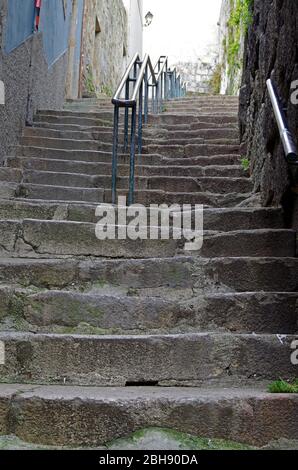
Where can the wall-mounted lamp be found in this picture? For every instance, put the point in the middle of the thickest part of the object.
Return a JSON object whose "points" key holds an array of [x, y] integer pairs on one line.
{"points": [[148, 19]]}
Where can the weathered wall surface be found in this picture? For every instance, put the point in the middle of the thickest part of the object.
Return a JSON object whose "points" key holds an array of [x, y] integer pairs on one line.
{"points": [[28, 83], [272, 51], [104, 45], [135, 26], [233, 22]]}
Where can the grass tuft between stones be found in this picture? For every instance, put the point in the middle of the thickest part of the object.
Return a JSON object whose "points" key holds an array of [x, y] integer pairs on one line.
{"points": [[281, 386]]}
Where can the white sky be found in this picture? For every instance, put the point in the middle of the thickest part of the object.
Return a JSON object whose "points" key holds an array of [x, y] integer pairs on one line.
{"points": [[181, 29]]}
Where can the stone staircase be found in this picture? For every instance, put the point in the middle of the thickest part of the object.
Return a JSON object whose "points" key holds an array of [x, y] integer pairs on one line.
{"points": [[104, 338]]}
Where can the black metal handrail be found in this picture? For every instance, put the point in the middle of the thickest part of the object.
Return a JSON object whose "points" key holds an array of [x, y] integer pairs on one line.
{"points": [[164, 84], [285, 134]]}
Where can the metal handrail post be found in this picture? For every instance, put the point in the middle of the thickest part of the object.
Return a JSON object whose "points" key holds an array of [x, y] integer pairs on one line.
{"points": [[146, 99], [140, 125], [115, 154], [132, 156], [126, 117]]}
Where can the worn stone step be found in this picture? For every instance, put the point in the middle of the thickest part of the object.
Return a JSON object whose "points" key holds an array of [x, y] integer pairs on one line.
{"points": [[13, 175], [59, 238], [192, 150], [149, 136], [97, 156], [144, 196], [182, 127], [191, 119], [173, 151], [95, 119], [214, 219], [8, 190], [116, 313], [60, 193], [190, 359], [76, 118], [166, 183], [156, 276], [102, 168], [45, 414], [217, 133]]}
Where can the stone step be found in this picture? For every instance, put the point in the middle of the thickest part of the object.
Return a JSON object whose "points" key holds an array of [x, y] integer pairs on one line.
{"points": [[172, 276], [150, 136], [30, 238], [171, 151], [166, 108], [116, 313], [144, 196], [167, 118], [101, 168], [106, 118], [44, 415], [13, 175], [197, 127], [166, 183], [99, 156], [76, 119], [192, 150], [214, 219], [199, 359]]}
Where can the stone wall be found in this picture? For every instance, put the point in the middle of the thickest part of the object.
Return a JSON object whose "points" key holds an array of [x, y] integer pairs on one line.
{"points": [[197, 75], [28, 81], [104, 48], [232, 31], [272, 51]]}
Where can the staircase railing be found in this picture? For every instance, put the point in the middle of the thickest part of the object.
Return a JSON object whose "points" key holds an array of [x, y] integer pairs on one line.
{"points": [[139, 78], [286, 136]]}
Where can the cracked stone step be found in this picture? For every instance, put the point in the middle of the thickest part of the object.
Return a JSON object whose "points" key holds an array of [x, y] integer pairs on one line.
{"points": [[190, 359], [192, 119], [97, 156], [171, 151], [146, 197], [181, 184], [214, 219], [62, 238], [149, 135], [106, 118], [102, 168], [117, 313], [108, 127], [192, 150], [155, 276], [13, 175], [44, 414]]}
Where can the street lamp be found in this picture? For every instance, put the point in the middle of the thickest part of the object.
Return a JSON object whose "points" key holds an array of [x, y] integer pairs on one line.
{"points": [[148, 18]]}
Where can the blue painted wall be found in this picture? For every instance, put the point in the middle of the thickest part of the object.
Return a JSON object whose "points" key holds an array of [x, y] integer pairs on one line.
{"points": [[20, 23], [53, 25], [55, 28]]}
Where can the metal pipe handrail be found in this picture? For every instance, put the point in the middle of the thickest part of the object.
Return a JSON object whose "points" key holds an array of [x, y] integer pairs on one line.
{"points": [[288, 143], [163, 84]]}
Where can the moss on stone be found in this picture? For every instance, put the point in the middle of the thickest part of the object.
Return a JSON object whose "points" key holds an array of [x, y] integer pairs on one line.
{"points": [[179, 440]]}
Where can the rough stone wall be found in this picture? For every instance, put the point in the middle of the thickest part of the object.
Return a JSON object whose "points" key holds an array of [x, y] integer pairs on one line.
{"points": [[104, 52], [230, 40], [197, 75], [28, 84], [272, 51]]}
